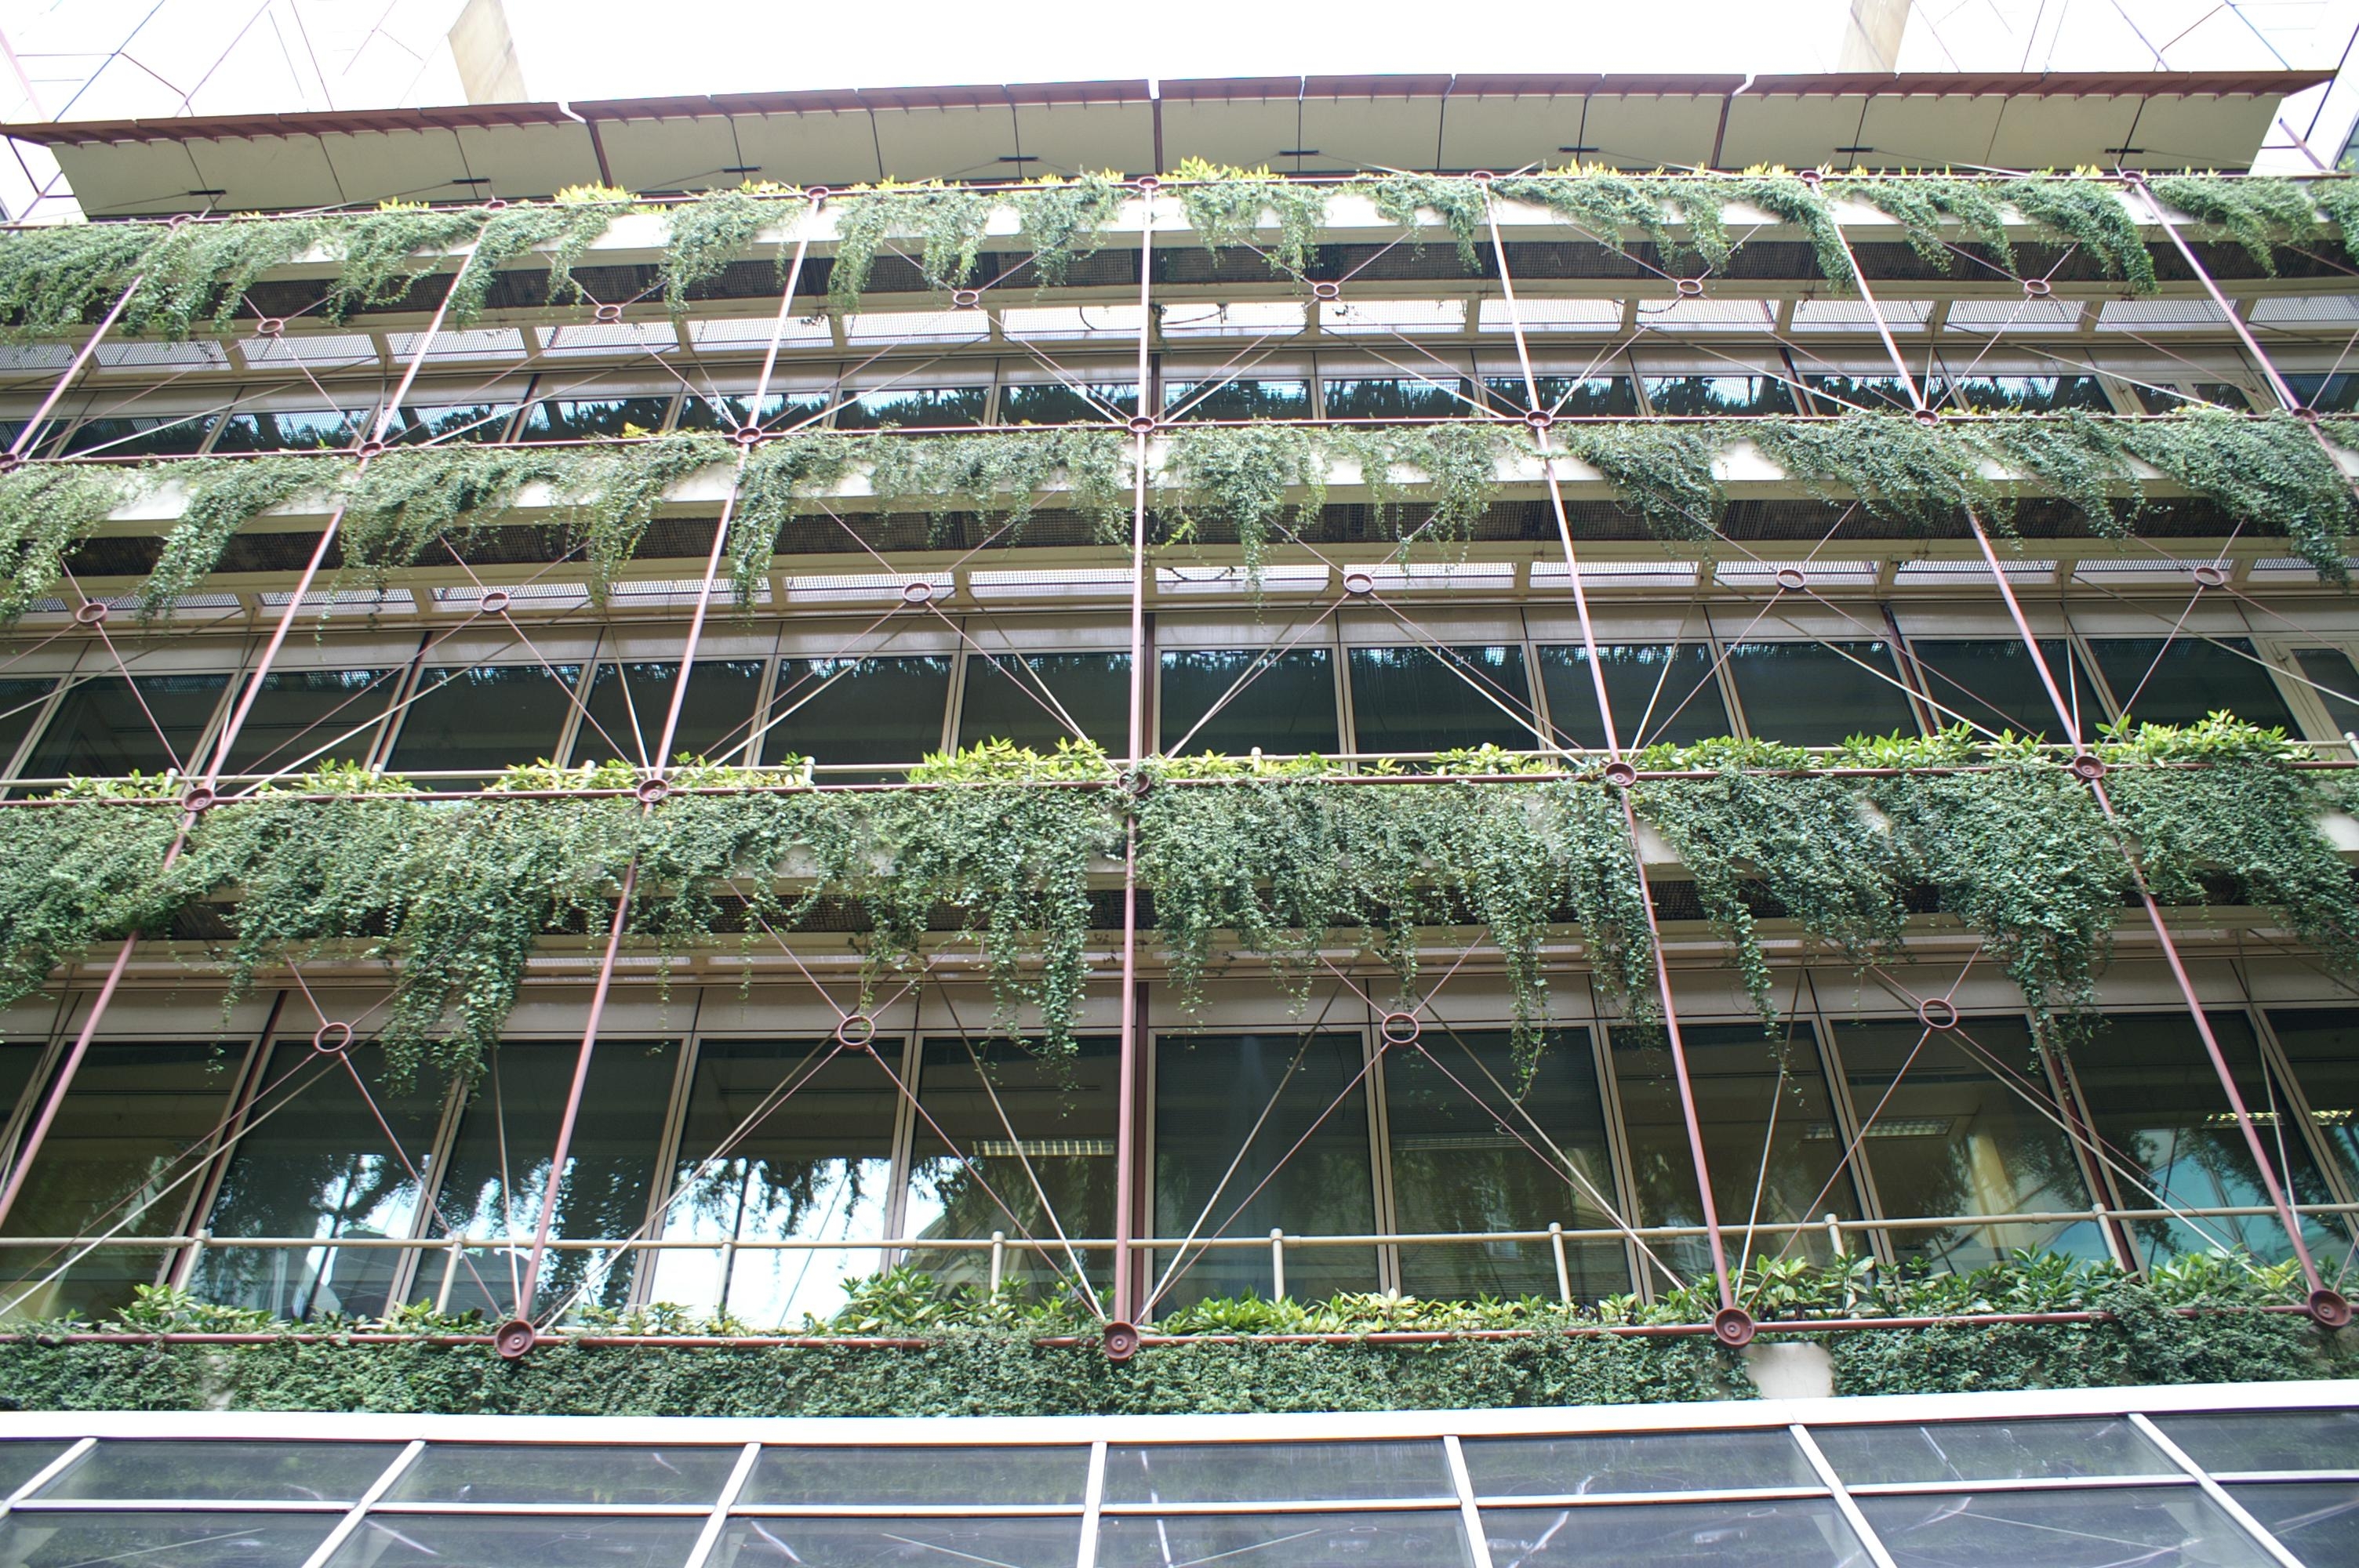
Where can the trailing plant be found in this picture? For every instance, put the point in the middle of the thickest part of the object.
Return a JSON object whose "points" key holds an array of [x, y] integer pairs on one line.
{"points": [[2084, 209], [2338, 200], [568, 225], [611, 495], [384, 251], [1458, 462], [1920, 202], [1064, 219], [79, 872], [2259, 212], [1226, 206], [778, 481], [46, 510], [1662, 472], [1608, 205], [1907, 471], [948, 220], [51, 277], [1241, 474], [2268, 473], [1786, 197], [410, 499], [1002, 475], [718, 225], [2072, 456], [1405, 199], [224, 495]]}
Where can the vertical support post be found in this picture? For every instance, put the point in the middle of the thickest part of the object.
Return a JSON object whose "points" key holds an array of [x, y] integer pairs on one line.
{"points": [[1278, 1265], [2327, 1306], [1563, 1270], [1732, 1324]]}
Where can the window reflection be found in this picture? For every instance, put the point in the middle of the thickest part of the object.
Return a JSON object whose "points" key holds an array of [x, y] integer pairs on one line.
{"points": [[1992, 683], [1420, 700], [2322, 1046], [1039, 700], [1440, 396], [915, 407], [839, 711], [1593, 396], [1054, 403], [2335, 683], [1819, 694], [303, 718], [2180, 680], [480, 719], [629, 703], [1660, 691], [1216, 399], [1283, 704], [20, 710], [107, 725], [1736, 395]]}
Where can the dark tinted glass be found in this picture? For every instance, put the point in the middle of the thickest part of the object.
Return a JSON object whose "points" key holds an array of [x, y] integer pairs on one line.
{"points": [[1597, 395], [1660, 691], [779, 411], [1031, 699], [1054, 403], [1415, 699], [480, 719], [629, 703], [1874, 392], [20, 710], [454, 422], [1236, 400], [139, 437], [913, 407], [2336, 393], [564, 1473], [1649, 1462], [1001, 1474], [2028, 394], [1992, 683], [1819, 694], [1397, 398], [2335, 685], [309, 430], [1733, 395], [103, 728], [2322, 1046], [303, 718], [575, 419], [2162, 399], [1275, 1471], [1283, 705], [859, 710], [2180, 680]]}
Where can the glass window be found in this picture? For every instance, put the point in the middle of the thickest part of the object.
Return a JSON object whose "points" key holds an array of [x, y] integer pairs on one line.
{"points": [[1738, 396], [1440, 396], [2181, 680], [453, 422], [1873, 393], [2154, 1527], [173, 437], [2335, 683], [2317, 1521], [314, 1161], [21, 1460], [1054, 403], [1791, 1532], [2336, 393], [2157, 1105], [217, 1470], [1283, 703], [1021, 1128], [1218, 1161], [915, 407], [479, 719], [780, 410], [1236, 399], [1276, 1472], [499, 1170], [1819, 694], [162, 1540], [104, 727], [628, 704], [1415, 699], [289, 430], [20, 710], [840, 712], [1990, 1451], [575, 419], [809, 1158], [890, 1542], [564, 1473], [1768, 1133], [496, 1540], [1031, 708], [2227, 1444], [1595, 396], [118, 1155], [1500, 1165], [1003, 1474], [1991, 682], [1660, 691], [1429, 1539], [2163, 399], [1651, 1462], [303, 718], [2322, 1045], [2028, 394], [1945, 1136]]}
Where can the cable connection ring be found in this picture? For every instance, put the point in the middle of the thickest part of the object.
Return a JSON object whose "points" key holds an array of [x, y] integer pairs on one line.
{"points": [[92, 612], [1400, 1028], [2087, 767], [916, 593], [652, 792], [198, 801], [514, 1339], [1620, 774], [608, 313], [1690, 289], [1138, 785], [1326, 290], [1925, 416], [1792, 580], [1359, 584], [1484, 176], [1539, 419], [2330, 1309], [1938, 1012], [857, 1032], [1733, 1326], [965, 299], [1142, 424], [270, 327], [1121, 1341], [2036, 288], [818, 193], [332, 1038], [496, 204], [10, 463], [180, 219], [2209, 576], [495, 603], [749, 435], [1147, 184], [372, 448]]}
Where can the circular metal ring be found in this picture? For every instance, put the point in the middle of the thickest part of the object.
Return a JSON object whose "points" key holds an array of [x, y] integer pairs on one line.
{"points": [[198, 801], [1809, 176], [1359, 584], [1539, 419], [496, 204], [1400, 1028], [2209, 576], [2087, 767], [965, 299], [180, 219], [270, 327], [514, 1339], [92, 612], [857, 1032], [494, 601], [372, 448], [332, 1038], [1620, 774], [1138, 785], [10, 463], [1121, 1341], [818, 193], [1484, 176], [1733, 1326], [2036, 288], [1142, 424], [1792, 580], [1147, 183], [1326, 290], [1925, 416], [1690, 289], [1938, 1012], [916, 591], [748, 435], [2328, 1309], [608, 313], [652, 792]]}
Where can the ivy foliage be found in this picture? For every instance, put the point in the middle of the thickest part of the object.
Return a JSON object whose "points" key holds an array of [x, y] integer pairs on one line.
{"points": [[1226, 206], [1922, 203], [224, 495], [2087, 211], [707, 234], [2259, 212], [81, 870], [47, 510], [947, 221], [1064, 219]]}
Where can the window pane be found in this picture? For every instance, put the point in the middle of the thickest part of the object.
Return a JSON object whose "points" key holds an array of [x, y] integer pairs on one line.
{"points": [[19, 1059], [20, 1461], [1414, 699], [116, 1156], [897, 1543], [1991, 682], [1837, 393], [1429, 1539], [490, 1541], [2335, 683], [1731, 394], [2336, 393], [2181, 683], [299, 713], [2322, 1046], [161, 1540], [1275, 1471], [1236, 399], [837, 711], [1286, 704], [453, 422], [576, 419], [1003, 1474], [2163, 399], [1597, 395], [2318, 1522], [779, 410], [500, 1164], [1989, 1451], [914, 407], [1660, 691], [2227, 1443], [628, 705], [2028, 394], [816, 1165], [315, 1161], [1053, 403], [289, 430], [1946, 1136], [20, 710], [1460, 1166], [1026, 1125], [2154, 1527], [103, 728], [1092, 690], [1211, 1091], [1762, 1103], [214, 1470], [2157, 1103], [1665, 1461], [1793, 1532], [564, 1473], [481, 718], [139, 437], [1397, 398], [1819, 694]]}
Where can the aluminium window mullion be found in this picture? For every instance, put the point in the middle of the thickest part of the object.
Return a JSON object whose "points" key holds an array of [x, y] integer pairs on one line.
{"points": [[1478, 1541], [1868, 1539], [48, 1473], [1848, 1126], [730, 1490], [345, 1526], [2216, 1492], [2286, 1088], [248, 1088], [1380, 1162], [662, 1194], [1093, 1507]]}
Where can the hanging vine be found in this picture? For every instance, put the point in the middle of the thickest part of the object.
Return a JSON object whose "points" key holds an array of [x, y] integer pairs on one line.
{"points": [[612, 494], [386, 252], [80, 872], [2084, 209], [2257, 211], [948, 220], [1458, 464], [568, 225], [775, 486], [1242, 474], [1226, 206], [1907, 471], [1921, 202], [1002, 475], [1405, 199], [2267, 473], [1664, 473], [46, 510], [705, 234], [224, 495], [411, 499], [1065, 219]]}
